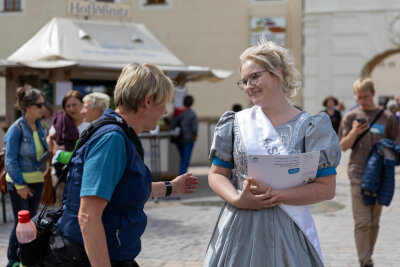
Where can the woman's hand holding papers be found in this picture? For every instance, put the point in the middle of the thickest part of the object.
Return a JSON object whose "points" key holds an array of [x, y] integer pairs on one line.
{"points": [[256, 195]]}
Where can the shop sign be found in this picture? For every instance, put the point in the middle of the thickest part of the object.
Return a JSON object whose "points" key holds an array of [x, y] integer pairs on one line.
{"points": [[273, 28], [85, 8]]}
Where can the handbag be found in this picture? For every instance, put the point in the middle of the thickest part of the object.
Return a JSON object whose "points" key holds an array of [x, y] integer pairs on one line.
{"points": [[48, 194], [3, 182]]}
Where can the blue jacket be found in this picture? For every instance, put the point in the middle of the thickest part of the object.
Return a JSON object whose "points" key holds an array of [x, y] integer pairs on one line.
{"points": [[21, 151], [378, 175], [123, 218]]}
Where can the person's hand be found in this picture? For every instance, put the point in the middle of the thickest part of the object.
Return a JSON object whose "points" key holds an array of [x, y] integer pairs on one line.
{"points": [[359, 128], [247, 200], [257, 187], [184, 184], [25, 192]]}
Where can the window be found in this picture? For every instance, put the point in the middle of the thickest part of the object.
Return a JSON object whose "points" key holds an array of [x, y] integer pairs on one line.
{"points": [[12, 8], [266, 1], [12, 5], [156, 2]]}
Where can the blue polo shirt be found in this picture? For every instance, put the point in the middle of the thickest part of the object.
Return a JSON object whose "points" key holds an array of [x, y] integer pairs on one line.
{"points": [[105, 161]]}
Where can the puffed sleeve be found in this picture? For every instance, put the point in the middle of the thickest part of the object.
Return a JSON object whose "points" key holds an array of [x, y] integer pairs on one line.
{"points": [[222, 146], [321, 136]]}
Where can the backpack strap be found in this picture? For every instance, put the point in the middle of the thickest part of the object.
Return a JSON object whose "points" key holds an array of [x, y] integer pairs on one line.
{"points": [[84, 137], [94, 126]]}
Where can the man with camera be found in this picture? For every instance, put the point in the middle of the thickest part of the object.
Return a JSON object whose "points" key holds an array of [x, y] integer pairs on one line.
{"points": [[360, 129]]}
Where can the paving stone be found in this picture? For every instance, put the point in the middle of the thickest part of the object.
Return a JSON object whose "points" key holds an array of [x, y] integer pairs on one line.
{"points": [[178, 231]]}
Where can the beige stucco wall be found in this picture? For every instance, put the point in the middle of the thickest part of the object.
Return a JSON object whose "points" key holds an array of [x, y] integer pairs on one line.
{"points": [[203, 33], [210, 33], [341, 40]]}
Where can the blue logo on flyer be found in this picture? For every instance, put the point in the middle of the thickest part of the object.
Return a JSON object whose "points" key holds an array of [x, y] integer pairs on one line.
{"points": [[294, 170], [254, 159], [377, 129]]}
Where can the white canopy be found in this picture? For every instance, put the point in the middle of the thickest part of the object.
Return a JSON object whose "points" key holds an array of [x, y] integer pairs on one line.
{"points": [[98, 44]]}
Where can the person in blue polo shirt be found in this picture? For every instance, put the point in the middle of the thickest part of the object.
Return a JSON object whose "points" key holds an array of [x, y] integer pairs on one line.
{"points": [[108, 182]]}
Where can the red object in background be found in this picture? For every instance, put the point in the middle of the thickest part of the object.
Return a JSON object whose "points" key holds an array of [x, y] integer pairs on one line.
{"points": [[276, 29], [178, 111]]}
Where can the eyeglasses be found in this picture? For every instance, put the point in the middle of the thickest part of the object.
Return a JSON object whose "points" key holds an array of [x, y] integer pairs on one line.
{"points": [[252, 79], [39, 105]]}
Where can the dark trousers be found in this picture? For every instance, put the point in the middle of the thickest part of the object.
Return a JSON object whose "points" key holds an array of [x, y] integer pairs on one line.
{"points": [[185, 151], [17, 204]]}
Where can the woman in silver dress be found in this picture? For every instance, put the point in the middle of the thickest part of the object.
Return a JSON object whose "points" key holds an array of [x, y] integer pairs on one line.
{"points": [[260, 226]]}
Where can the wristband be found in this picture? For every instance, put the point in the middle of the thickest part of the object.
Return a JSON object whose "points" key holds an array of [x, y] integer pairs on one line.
{"points": [[168, 188]]}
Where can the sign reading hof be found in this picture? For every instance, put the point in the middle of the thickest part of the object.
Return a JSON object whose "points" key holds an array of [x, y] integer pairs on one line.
{"points": [[84, 8], [274, 30]]}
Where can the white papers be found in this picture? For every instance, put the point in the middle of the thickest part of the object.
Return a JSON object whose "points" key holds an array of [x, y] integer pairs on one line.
{"points": [[284, 171]]}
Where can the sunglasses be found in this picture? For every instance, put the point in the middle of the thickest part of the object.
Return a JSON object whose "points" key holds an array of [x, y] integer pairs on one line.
{"points": [[39, 105]]}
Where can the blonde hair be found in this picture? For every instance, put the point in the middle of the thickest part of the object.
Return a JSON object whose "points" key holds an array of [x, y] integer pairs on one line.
{"points": [[97, 100], [363, 84], [140, 80], [278, 61]]}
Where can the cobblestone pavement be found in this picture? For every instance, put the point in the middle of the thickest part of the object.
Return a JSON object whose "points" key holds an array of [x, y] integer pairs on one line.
{"points": [[179, 230]]}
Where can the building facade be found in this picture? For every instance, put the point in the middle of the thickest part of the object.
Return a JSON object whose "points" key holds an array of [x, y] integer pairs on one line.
{"points": [[203, 33], [345, 40]]}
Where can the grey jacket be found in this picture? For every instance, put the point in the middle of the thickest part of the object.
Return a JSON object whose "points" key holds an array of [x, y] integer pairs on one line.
{"points": [[187, 121]]}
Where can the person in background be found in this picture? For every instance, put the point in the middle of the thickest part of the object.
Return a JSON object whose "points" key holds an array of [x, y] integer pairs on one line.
{"points": [[187, 122], [236, 107], [67, 125], [394, 107], [108, 182], [46, 120], [341, 107], [382, 102], [179, 93], [259, 225], [94, 105], [353, 125], [25, 160], [330, 104]]}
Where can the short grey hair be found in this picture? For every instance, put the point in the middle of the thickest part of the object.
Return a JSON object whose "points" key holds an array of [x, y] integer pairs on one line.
{"points": [[97, 100], [140, 80], [279, 61]]}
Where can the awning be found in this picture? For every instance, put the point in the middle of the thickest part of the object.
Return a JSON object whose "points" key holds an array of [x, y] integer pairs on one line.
{"points": [[98, 44]]}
